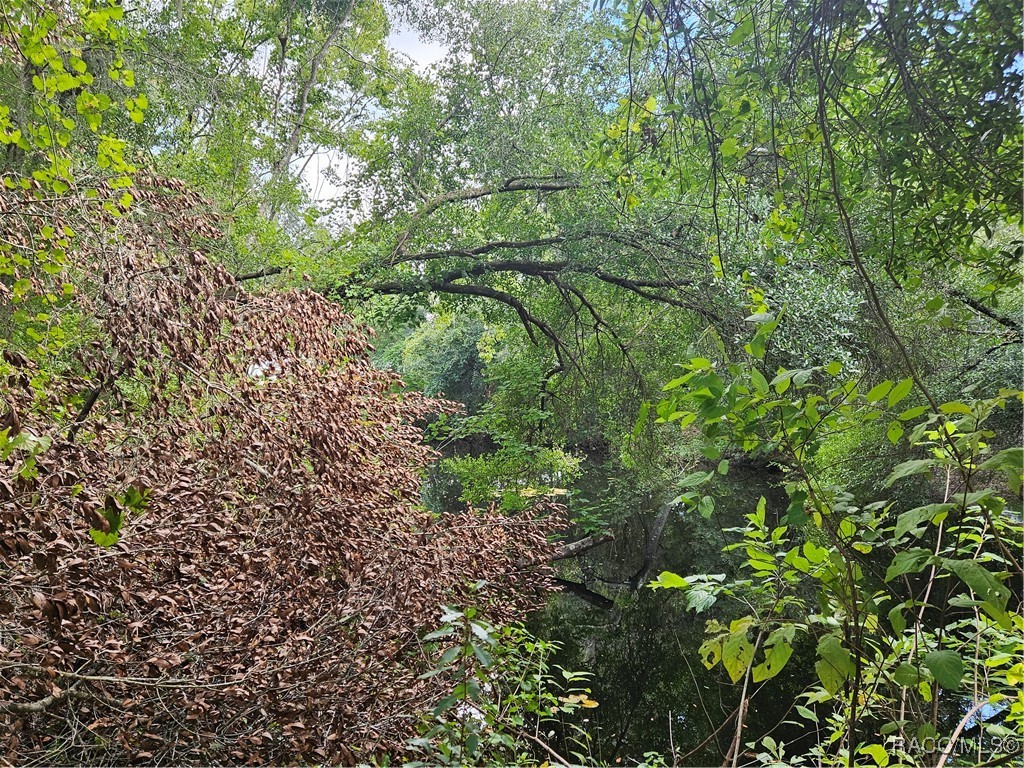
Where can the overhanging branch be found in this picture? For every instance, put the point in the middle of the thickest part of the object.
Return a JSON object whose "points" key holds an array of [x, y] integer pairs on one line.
{"points": [[515, 184]]}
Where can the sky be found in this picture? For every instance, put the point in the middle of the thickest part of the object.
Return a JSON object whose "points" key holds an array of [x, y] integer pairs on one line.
{"points": [[402, 40]]}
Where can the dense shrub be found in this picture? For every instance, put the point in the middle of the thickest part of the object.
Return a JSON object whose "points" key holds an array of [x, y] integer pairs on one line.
{"points": [[211, 544]]}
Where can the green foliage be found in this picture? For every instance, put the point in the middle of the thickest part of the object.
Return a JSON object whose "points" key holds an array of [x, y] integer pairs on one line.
{"points": [[884, 642], [64, 52], [513, 476], [65, 93], [505, 693], [441, 357]]}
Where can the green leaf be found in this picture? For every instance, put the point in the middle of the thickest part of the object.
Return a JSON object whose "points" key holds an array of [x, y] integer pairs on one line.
{"points": [[102, 538], [806, 713], [900, 391], [981, 581], [954, 407], [1010, 458], [706, 506], [737, 653], [777, 653], [695, 479], [906, 675], [992, 592], [711, 651], [481, 632], [439, 633], [908, 468], [947, 667], [878, 391], [669, 580], [449, 656], [742, 31], [796, 514], [444, 705], [835, 666], [482, 655], [1009, 461], [909, 561], [730, 147], [912, 413], [897, 620], [894, 433], [877, 753], [912, 520]]}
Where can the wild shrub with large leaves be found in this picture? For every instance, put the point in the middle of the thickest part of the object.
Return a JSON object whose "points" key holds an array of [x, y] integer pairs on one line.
{"points": [[913, 612]]}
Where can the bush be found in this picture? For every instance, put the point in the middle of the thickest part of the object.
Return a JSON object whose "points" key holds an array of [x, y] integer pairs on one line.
{"points": [[231, 564]]}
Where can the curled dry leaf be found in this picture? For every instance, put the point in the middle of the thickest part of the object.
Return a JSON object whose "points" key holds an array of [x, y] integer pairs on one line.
{"points": [[224, 531]]}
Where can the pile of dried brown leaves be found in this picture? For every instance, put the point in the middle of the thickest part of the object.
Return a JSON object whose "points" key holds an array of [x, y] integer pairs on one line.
{"points": [[272, 570]]}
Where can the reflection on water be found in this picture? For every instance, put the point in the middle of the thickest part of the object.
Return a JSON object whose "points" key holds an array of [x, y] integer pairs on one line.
{"points": [[642, 653], [654, 692]]}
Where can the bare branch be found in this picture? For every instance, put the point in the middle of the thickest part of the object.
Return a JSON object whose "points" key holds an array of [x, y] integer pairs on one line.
{"points": [[257, 274], [515, 184]]}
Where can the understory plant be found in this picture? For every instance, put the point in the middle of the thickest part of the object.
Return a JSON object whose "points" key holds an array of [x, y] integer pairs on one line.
{"points": [[912, 611], [507, 700]]}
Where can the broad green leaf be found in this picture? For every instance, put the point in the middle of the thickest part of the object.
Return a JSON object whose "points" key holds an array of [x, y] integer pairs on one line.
{"points": [[912, 521], [908, 468], [900, 391], [706, 506], [775, 657], [906, 675], [760, 382], [737, 652], [482, 655], [947, 667], [992, 592], [897, 619], [695, 479], [102, 538], [1010, 461], [894, 433], [877, 753], [954, 407], [878, 391], [981, 581], [836, 665], [912, 413], [909, 561], [711, 651], [669, 580]]}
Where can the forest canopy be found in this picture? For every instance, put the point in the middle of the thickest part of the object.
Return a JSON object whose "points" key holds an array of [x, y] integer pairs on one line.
{"points": [[696, 368]]}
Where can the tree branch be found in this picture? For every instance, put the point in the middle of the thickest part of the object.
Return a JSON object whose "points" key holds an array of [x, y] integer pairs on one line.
{"points": [[577, 548], [265, 272], [302, 106], [515, 184], [980, 308]]}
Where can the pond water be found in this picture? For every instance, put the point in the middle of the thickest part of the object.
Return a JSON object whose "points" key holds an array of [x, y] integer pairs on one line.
{"points": [[654, 692], [640, 648]]}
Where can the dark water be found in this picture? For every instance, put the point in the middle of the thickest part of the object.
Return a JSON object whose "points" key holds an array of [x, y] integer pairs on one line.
{"points": [[654, 692], [641, 653]]}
